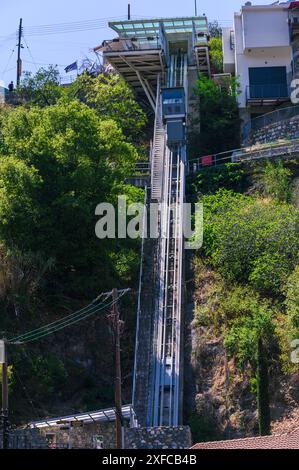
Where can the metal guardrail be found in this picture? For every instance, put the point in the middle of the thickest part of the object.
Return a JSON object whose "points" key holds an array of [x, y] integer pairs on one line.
{"points": [[270, 91], [277, 150], [282, 114], [131, 44], [142, 169]]}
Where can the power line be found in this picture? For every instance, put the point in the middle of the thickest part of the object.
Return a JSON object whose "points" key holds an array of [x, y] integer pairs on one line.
{"points": [[8, 62], [51, 330], [56, 324], [55, 32], [69, 320], [44, 63], [75, 26], [101, 20], [30, 53]]}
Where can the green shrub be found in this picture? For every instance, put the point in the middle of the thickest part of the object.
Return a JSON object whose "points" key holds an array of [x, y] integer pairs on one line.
{"points": [[251, 240]]}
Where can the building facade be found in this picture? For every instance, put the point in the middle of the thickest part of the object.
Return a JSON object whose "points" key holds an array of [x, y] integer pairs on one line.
{"points": [[262, 50]]}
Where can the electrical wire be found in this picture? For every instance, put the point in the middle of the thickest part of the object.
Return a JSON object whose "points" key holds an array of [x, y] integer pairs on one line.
{"points": [[62, 325], [62, 28], [72, 319], [8, 62], [30, 52], [43, 63], [57, 323], [54, 330]]}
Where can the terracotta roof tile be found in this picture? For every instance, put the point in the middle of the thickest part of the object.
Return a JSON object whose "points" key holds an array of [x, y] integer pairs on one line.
{"points": [[288, 440]]}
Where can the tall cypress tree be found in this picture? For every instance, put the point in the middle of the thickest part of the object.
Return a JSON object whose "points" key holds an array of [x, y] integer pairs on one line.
{"points": [[263, 399]]}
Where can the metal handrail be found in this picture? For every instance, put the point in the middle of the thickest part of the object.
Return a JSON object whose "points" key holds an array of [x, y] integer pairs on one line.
{"points": [[289, 148], [131, 44], [267, 91]]}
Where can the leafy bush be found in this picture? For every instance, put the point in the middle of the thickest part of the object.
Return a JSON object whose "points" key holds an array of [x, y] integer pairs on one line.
{"points": [[276, 181], [251, 240], [241, 338], [230, 176]]}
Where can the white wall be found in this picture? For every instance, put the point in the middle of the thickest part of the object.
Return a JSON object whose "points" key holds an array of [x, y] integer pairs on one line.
{"points": [[260, 54], [266, 27], [228, 52]]}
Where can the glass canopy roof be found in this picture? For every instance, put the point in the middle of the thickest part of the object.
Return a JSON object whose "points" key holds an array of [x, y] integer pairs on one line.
{"points": [[129, 29]]}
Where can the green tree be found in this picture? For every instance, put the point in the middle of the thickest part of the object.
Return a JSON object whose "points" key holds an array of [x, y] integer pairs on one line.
{"points": [[71, 161], [42, 88], [216, 54], [248, 338], [262, 380], [251, 240], [215, 126], [230, 176], [112, 98]]}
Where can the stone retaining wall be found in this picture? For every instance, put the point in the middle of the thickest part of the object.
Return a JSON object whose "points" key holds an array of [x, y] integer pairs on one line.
{"points": [[91, 436], [280, 130], [158, 438]]}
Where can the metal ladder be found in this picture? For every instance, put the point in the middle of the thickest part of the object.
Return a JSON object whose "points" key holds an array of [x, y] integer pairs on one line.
{"points": [[158, 150]]}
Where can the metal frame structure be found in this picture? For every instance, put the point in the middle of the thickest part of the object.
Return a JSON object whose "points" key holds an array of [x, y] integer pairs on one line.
{"points": [[286, 150], [87, 418], [140, 52], [151, 54], [164, 406]]}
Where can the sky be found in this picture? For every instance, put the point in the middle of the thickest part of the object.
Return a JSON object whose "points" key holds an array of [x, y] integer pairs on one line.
{"points": [[64, 49]]}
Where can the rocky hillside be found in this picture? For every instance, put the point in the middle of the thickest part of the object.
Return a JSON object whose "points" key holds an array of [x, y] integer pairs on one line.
{"points": [[239, 299]]}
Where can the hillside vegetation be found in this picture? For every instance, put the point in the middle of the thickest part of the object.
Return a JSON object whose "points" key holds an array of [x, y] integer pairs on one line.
{"points": [[246, 299], [62, 152]]}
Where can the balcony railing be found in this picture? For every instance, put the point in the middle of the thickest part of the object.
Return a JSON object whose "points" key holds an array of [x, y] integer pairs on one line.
{"points": [[267, 92], [131, 45]]}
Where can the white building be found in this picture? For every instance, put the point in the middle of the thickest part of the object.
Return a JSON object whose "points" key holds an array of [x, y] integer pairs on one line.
{"points": [[260, 49]]}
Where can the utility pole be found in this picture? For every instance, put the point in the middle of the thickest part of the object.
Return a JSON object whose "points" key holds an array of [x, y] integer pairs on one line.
{"points": [[19, 61], [116, 324], [195, 5], [129, 11], [4, 411]]}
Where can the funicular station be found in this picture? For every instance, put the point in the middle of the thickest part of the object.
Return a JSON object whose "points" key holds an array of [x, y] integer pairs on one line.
{"points": [[161, 59]]}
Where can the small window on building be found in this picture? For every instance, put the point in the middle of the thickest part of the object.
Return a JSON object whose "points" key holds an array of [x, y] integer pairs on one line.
{"points": [[232, 40]]}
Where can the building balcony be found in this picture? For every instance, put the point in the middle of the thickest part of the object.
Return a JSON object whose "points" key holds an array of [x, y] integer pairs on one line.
{"points": [[269, 94], [118, 45]]}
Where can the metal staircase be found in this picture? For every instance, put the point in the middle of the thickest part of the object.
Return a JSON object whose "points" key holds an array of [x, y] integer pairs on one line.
{"points": [[203, 60], [158, 150]]}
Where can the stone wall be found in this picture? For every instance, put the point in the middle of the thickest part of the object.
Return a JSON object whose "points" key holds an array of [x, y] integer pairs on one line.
{"points": [[81, 436], [26, 439], [158, 438], [280, 130], [77, 436], [91, 436]]}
